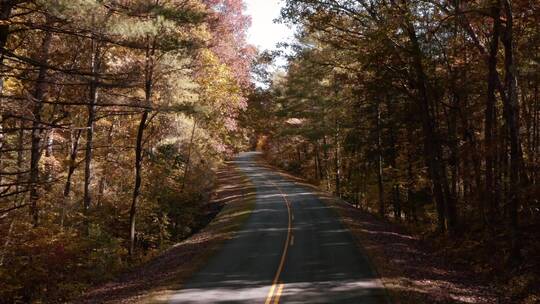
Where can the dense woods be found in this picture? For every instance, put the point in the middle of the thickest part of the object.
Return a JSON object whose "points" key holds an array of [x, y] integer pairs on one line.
{"points": [[116, 114], [113, 118], [424, 112]]}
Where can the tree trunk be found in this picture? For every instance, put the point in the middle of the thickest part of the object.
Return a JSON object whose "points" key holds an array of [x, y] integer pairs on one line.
{"points": [[318, 172], [410, 184], [490, 114], [337, 161], [298, 156], [511, 107], [536, 136], [454, 146], [137, 187], [93, 98], [432, 144], [5, 13], [49, 153], [188, 161], [392, 161], [35, 150], [101, 186], [397, 202], [382, 209], [20, 159], [455, 160], [149, 73], [326, 161], [74, 148]]}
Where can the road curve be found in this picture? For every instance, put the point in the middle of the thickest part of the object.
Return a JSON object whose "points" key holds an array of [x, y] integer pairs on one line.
{"points": [[292, 249]]}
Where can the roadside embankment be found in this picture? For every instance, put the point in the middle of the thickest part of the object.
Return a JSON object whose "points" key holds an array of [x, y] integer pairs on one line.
{"points": [[155, 280]]}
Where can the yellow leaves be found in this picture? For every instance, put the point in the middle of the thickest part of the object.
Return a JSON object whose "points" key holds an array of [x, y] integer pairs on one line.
{"points": [[201, 32], [12, 86], [220, 92], [219, 87], [531, 299]]}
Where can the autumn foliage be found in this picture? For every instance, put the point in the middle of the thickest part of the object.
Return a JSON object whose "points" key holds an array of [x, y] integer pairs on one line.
{"points": [[114, 116], [423, 112]]}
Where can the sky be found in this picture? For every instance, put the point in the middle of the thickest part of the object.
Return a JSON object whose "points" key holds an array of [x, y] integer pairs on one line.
{"points": [[264, 33]]}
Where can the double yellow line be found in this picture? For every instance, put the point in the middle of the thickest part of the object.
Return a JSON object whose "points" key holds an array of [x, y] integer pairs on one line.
{"points": [[277, 289]]}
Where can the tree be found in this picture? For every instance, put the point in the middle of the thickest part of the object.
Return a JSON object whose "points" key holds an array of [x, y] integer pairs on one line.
{"points": [[426, 131], [98, 103]]}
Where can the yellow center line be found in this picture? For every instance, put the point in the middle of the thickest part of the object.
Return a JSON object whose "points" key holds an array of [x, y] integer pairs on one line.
{"points": [[278, 293], [284, 255], [270, 294]]}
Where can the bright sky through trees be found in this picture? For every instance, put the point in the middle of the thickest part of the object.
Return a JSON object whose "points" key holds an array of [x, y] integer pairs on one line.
{"points": [[264, 33]]}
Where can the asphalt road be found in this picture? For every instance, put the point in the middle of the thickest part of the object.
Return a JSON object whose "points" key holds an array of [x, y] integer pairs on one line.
{"points": [[292, 249]]}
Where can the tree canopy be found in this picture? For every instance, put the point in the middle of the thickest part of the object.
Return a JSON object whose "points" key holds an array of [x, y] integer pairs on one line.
{"points": [[114, 117], [424, 112]]}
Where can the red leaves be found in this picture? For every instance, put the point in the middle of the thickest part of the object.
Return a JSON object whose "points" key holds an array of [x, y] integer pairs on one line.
{"points": [[229, 26]]}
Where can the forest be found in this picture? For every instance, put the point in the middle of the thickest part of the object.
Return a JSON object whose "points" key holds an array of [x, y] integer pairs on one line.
{"points": [[111, 112], [424, 112], [115, 116]]}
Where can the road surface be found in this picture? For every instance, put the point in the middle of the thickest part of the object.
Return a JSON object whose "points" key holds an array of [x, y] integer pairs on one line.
{"points": [[292, 249]]}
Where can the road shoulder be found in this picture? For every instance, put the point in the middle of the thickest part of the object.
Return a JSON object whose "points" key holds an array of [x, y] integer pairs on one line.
{"points": [[407, 267], [157, 279]]}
